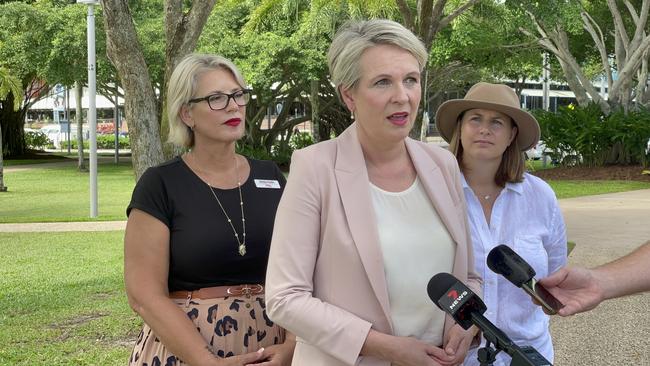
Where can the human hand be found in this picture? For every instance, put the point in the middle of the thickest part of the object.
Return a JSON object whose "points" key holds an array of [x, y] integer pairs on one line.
{"points": [[277, 355], [240, 360], [413, 352], [457, 342], [579, 289]]}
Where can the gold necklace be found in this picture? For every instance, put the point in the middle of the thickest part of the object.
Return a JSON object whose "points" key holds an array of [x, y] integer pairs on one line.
{"points": [[241, 245]]}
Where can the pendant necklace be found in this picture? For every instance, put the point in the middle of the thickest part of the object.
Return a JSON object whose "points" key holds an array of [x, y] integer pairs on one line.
{"points": [[241, 244]]}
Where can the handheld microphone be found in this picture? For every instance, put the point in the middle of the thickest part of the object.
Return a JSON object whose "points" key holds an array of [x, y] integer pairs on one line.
{"points": [[504, 261], [457, 300]]}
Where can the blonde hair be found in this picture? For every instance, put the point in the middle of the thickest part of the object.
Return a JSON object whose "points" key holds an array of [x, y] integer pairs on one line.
{"points": [[512, 166], [353, 38], [182, 86]]}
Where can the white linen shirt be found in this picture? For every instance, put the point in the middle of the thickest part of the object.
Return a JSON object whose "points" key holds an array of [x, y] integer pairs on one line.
{"points": [[527, 218]]}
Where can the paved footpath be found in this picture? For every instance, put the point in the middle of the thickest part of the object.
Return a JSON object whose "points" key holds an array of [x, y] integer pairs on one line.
{"points": [[603, 227], [64, 226]]}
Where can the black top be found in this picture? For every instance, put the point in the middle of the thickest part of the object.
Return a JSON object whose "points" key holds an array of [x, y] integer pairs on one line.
{"points": [[203, 249]]}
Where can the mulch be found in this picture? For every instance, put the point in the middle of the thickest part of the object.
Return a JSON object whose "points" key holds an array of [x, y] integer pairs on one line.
{"points": [[612, 172]]}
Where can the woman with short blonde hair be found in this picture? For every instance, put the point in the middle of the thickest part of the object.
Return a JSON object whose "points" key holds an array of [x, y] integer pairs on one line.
{"points": [[368, 218], [199, 230]]}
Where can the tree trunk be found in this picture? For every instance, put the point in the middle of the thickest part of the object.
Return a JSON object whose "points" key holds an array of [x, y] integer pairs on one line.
{"points": [[81, 165], [182, 32], [140, 106], [315, 110], [12, 122], [3, 188]]}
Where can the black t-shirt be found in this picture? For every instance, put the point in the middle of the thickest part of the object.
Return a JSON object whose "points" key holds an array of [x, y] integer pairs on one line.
{"points": [[203, 249]]}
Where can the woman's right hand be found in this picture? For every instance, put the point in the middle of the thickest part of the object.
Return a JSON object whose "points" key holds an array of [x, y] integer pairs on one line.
{"points": [[413, 352], [403, 351], [241, 360]]}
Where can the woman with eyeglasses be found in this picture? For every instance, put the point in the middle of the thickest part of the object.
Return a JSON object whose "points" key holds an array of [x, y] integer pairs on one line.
{"points": [[199, 230]]}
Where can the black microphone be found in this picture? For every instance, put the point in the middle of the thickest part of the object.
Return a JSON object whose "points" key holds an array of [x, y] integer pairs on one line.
{"points": [[504, 261], [457, 300]]}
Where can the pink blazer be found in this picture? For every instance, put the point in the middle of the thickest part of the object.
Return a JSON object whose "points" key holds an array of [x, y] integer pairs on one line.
{"points": [[325, 280]]}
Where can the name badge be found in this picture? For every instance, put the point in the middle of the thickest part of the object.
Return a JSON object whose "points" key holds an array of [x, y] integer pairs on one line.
{"points": [[267, 183]]}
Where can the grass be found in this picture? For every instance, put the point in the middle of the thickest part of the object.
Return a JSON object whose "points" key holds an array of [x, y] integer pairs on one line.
{"points": [[62, 300], [578, 188], [62, 194], [534, 165], [14, 162]]}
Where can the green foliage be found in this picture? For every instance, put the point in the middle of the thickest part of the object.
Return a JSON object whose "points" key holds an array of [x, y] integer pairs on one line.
{"points": [[23, 41], [577, 135], [108, 142], [103, 142], [36, 140], [300, 140], [10, 84], [487, 36]]}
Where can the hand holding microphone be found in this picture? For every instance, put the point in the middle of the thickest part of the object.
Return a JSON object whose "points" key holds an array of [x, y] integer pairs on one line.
{"points": [[504, 261]]}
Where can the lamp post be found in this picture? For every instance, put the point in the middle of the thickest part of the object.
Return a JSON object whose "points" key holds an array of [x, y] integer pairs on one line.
{"points": [[92, 110]]}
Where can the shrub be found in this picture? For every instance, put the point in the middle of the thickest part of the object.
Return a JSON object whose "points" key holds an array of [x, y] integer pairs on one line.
{"points": [[300, 140], [37, 140], [108, 142], [104, 142], [584, 135]]}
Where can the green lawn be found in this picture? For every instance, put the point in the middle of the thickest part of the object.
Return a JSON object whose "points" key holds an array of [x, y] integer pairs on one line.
{"points": [[577, 188], [62, 300], [63, 194]]}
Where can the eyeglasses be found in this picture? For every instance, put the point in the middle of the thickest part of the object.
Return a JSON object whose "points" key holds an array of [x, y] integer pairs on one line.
{"points": [[219, 101]]}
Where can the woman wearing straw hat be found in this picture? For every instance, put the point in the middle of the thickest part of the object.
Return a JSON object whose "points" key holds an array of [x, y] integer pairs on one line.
{"points": [[488, 133]]}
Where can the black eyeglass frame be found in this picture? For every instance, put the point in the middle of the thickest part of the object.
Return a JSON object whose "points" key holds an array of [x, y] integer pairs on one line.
{"points": [[229, 96]]}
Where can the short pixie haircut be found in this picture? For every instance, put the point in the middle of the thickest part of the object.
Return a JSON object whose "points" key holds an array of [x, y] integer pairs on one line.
{"points": [[353, 38], [182, 86]]}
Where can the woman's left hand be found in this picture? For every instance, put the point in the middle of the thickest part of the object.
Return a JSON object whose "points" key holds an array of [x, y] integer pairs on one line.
{"points": [[278, 355], [457, 343]]}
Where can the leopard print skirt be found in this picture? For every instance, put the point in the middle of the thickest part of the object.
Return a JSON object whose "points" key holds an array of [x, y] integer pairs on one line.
{"points": [[230, 326]]}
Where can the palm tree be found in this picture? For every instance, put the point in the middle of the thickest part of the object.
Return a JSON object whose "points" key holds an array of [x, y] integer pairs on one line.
{"points": [[8, 84]]}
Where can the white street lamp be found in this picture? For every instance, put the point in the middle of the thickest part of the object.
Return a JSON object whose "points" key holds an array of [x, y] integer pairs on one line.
{"points": [[92, 110]]}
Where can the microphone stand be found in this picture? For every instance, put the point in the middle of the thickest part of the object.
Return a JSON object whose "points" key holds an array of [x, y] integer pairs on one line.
{"points": [[487, 355], [521, 356]]}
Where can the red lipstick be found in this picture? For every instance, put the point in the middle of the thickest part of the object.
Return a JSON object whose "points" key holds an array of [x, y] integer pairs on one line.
{"points": [[233, 122]]}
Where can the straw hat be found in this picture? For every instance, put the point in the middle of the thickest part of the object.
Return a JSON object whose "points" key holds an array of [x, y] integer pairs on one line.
{"points": [[497, 97]]}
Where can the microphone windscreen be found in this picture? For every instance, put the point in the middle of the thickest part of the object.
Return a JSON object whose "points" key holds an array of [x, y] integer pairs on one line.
{"points": [[504, 261], [439, 285]]}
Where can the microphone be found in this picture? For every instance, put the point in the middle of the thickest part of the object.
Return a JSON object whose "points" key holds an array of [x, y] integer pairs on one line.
{"points": [[457, 300], [504, 261]]}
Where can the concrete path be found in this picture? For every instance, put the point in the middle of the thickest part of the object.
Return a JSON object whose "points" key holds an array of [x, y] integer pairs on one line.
{"points": [[64, 226], [604, 227]]}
